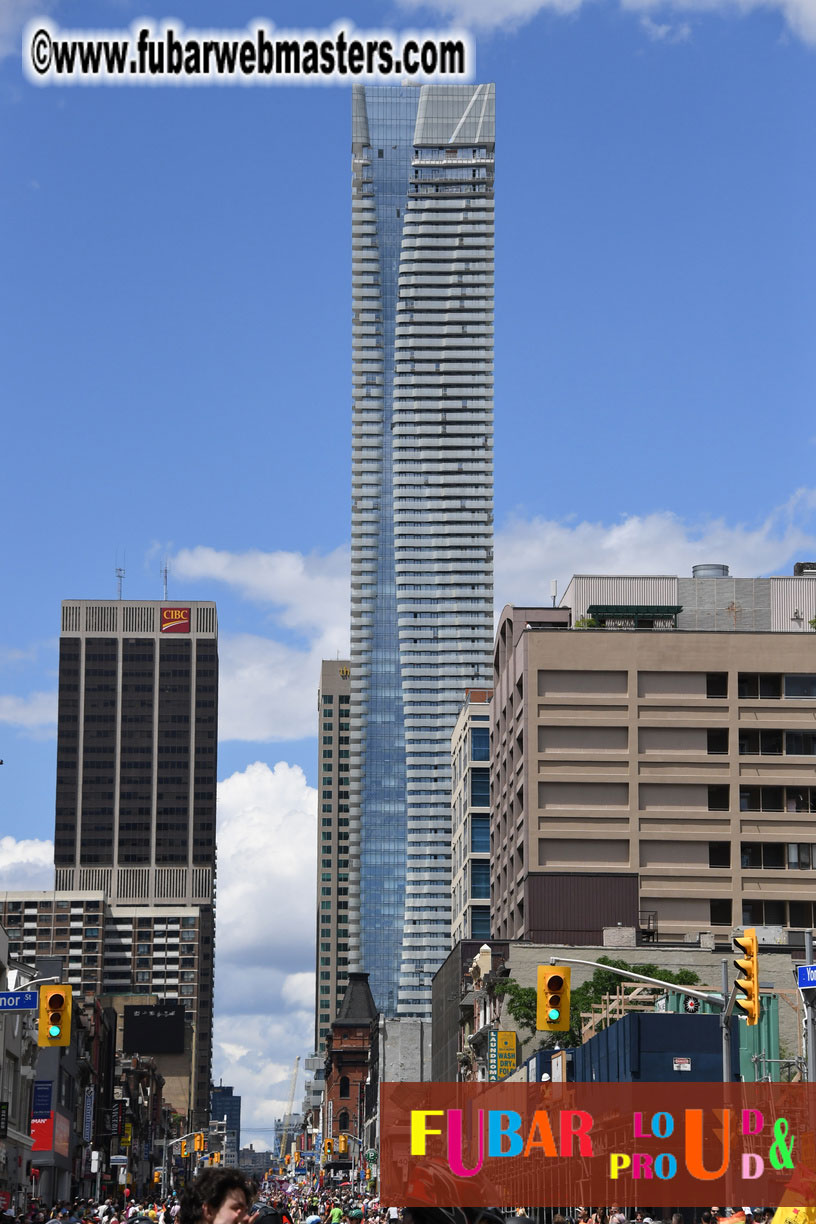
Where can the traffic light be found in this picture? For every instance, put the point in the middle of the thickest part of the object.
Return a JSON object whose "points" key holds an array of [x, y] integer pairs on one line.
{"points": [[156, 1176], [553, 999], [328, 1147], [748, 981], [184, 1149], [342, 1145], [198, 1141], [54, 1028], [216, 1156]]}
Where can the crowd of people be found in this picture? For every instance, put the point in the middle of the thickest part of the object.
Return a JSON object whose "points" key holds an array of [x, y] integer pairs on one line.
{"points": [[222, 1195]]}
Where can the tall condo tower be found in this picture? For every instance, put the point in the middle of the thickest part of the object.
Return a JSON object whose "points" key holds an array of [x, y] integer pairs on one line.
{"points": [[422, 508]]}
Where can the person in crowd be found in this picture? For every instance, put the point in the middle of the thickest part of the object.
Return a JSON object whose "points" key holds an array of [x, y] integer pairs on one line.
{"points": [[219, 1195]]}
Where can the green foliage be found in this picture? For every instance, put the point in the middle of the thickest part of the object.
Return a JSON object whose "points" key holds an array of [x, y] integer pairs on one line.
{"points": [[812, 623], [585, 622], [521, 1000], [603, 983]]}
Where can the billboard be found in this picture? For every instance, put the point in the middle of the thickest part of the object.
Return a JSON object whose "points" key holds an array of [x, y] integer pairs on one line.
{"points": [[153, 1028]]}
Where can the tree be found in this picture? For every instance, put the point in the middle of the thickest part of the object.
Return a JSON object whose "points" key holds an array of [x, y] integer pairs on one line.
{"points": [[586, 622], [521, 1000], [603, 983]]}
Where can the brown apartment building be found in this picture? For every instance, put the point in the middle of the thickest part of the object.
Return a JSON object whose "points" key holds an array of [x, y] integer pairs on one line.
{"points": [[331, 934], [651, 777]]}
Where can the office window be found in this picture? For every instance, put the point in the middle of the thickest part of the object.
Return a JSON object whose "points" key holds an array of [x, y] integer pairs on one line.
{"points": [[480, 922], [717, 740], [799, 856], [800, 914], [479, 744], [720, 911], [480, 834], [480, 879], [759, 685], [480, 788], [719, 854], [717, 684], [800, 686], [800, 743], [718, 798]]}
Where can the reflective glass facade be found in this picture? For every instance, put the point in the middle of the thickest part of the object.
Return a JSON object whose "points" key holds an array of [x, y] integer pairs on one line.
{"points": [[422, 488]]}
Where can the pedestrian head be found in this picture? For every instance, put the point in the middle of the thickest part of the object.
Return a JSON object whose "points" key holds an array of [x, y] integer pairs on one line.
{"points": [[217, 1196]]}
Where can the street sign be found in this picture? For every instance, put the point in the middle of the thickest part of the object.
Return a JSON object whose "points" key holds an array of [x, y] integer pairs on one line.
{"points": [[19, 1000], [371, 1155], [806, 975]]}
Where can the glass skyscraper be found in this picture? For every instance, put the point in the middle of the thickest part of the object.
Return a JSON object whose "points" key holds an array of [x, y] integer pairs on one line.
{"points": [[422, 508]]}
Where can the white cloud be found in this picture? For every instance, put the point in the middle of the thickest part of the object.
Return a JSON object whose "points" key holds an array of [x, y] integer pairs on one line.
{"points": [[531, 552], [312, 592], [268, 687], [510, 15], [665, 31], [266, 865], [299, 990], [27, 864], [36, 713], [13, 17], [267, 831]]}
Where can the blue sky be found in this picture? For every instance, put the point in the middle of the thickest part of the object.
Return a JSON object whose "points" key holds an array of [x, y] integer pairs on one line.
{"points": [[176, 373]]}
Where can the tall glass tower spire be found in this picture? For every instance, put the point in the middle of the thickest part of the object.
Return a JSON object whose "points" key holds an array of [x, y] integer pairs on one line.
{"points": [[422, 508]]}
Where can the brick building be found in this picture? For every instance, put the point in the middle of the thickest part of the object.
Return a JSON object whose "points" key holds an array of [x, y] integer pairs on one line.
{"points": [[348, 1050]]}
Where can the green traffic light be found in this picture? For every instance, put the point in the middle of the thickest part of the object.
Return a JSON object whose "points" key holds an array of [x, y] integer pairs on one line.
{"points": [[553, 1014], [54, 1030]]}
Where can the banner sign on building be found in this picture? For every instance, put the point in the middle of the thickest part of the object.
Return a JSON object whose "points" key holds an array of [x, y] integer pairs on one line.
{"points": [[153, 1028], [87, 1114], [42, 1099], [3, 1119], [117, 1113], [42, 1132], [62, 1134], [175, 620], [502, 1053]]}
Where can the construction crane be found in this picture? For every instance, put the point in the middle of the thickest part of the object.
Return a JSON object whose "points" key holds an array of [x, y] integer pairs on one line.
{"points": [[287, 1121]]}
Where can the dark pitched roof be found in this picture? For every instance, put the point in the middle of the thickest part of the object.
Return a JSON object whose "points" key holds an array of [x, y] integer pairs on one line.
{"points": [[358, 1006]]}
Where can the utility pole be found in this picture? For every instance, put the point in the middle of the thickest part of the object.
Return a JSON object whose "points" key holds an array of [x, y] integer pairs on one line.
{"points": [[810, 1036]]}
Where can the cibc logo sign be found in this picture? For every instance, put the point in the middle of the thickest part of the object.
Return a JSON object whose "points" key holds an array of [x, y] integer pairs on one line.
{"points": [[175, 620]]}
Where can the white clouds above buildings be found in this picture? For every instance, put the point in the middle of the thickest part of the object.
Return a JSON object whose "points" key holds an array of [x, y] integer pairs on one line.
{"points": [[510, 16]]}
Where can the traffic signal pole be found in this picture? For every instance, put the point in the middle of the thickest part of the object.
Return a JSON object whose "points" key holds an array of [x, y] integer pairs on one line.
{"points": [[810, 1032], [725, 1022], [722, 999], [706, 996]]}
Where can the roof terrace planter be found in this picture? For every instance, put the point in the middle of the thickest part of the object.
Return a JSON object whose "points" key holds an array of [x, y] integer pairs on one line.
{"points": [[634, 616]]}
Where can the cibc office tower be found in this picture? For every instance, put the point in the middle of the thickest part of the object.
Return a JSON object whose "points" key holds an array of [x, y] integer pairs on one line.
{"points": [[136, 794], [422, 508]]}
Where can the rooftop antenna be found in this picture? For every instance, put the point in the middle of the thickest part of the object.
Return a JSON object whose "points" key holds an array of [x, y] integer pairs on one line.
{"points": [[554, 589], [164, 578], [120, 575]]}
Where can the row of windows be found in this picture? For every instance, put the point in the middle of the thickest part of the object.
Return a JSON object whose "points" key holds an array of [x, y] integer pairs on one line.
{"points": [[797, 914], [763, 685], [775, 856]]}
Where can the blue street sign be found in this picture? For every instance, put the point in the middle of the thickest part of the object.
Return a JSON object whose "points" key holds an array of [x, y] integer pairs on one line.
{"points": [[18, 1000], [807, 977]]}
